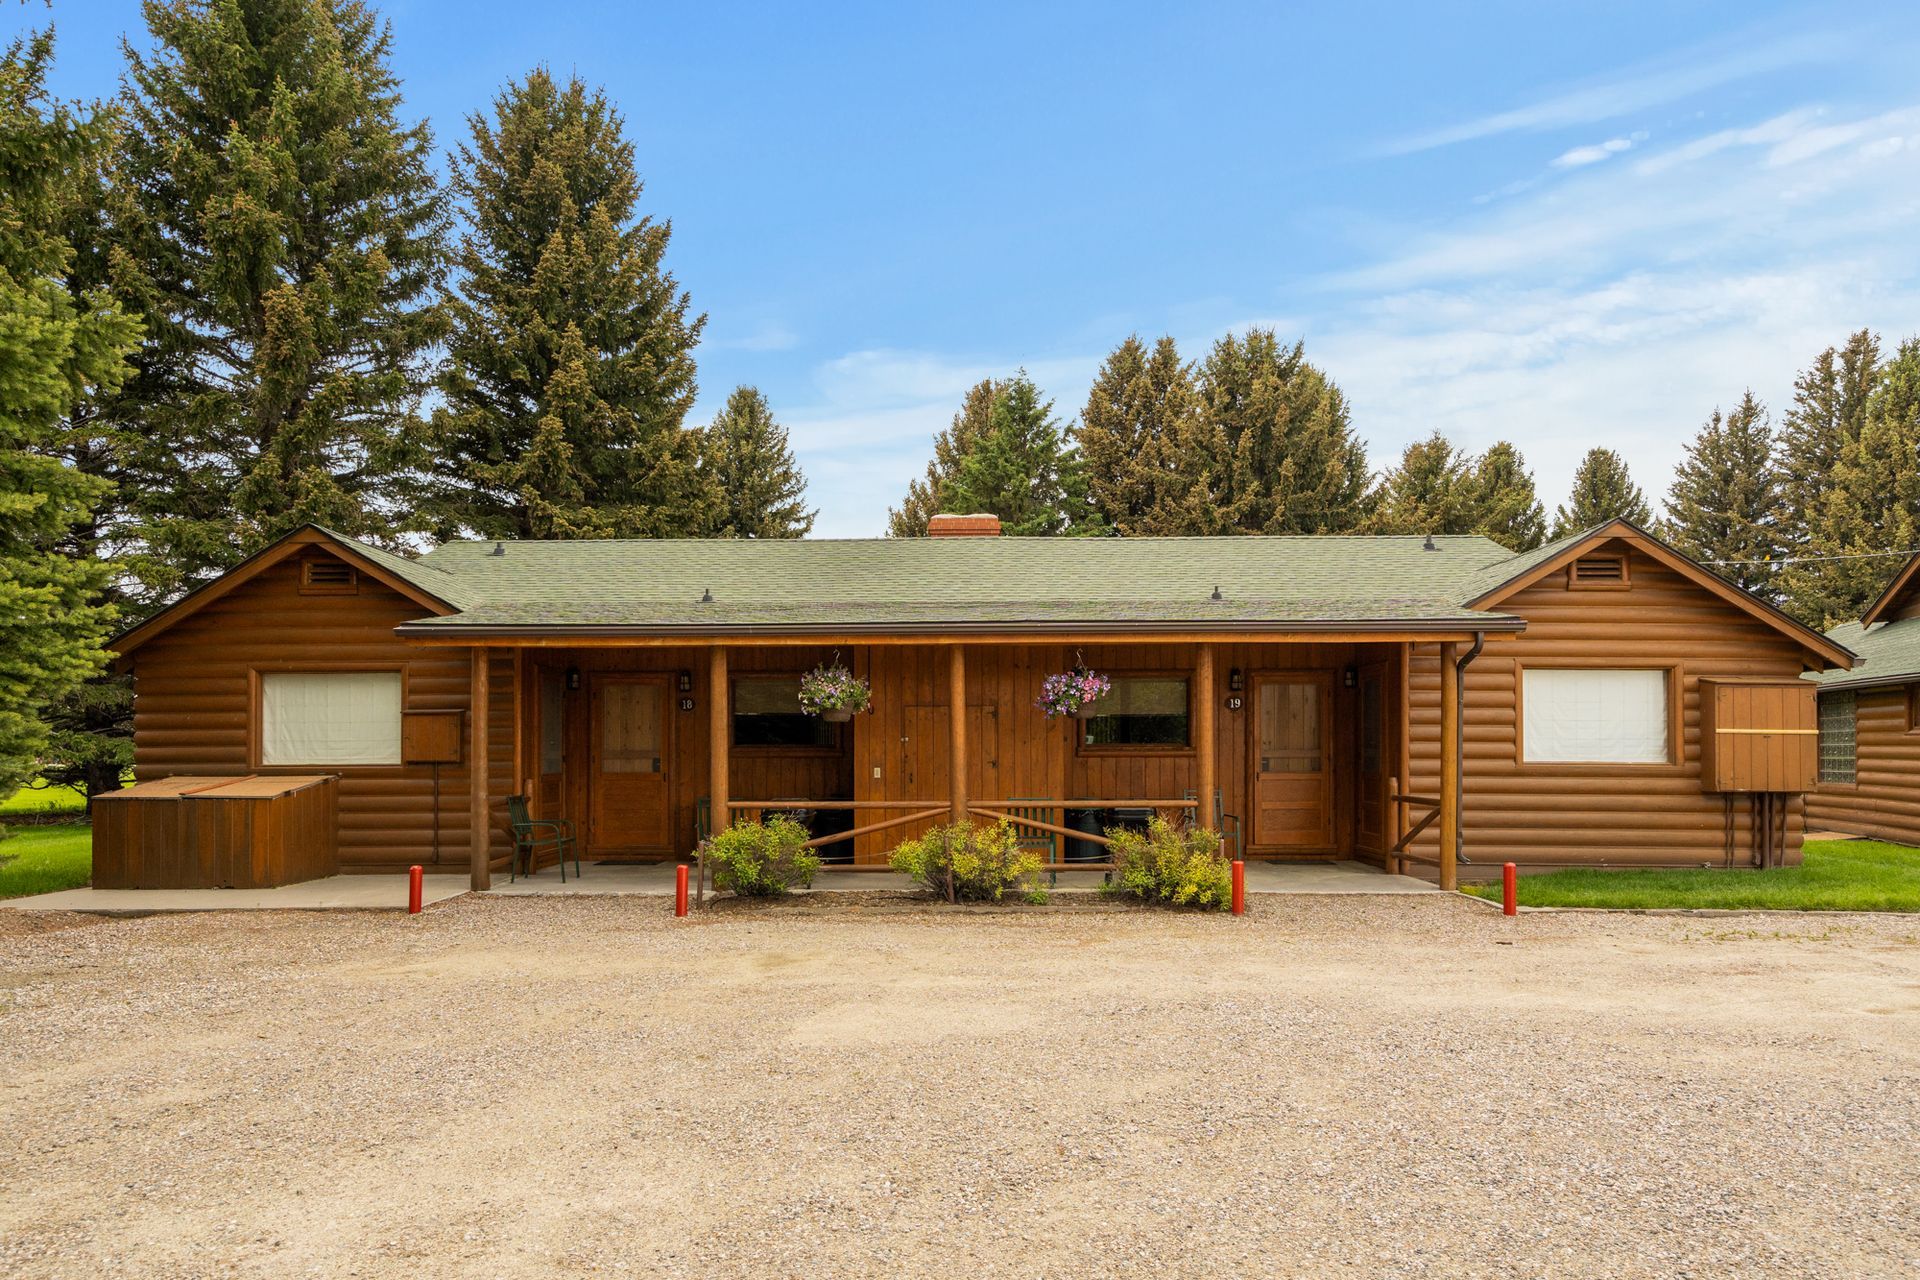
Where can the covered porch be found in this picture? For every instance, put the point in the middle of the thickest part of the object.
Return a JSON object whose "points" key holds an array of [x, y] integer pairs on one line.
{"points": [[1294, 747]]}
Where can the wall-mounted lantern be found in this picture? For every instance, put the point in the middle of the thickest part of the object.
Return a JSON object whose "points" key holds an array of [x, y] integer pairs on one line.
{"points": [[1236, 680], [573, 679], [1351, 676], [686, 682]]}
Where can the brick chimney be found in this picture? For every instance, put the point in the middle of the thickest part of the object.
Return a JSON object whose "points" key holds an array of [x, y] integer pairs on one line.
{"points": [[963, 527]]}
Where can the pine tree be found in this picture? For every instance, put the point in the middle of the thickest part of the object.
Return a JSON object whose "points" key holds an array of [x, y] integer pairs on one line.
{"points": [[56, 350], [1282, 454], [1724, 504], [570, 370], [1602, 491], [284, 234], [1021, 468], [950, 448], [746, 459], [1140, 437], [1870, 506], [1829, 407], [1431, 491], [1509, 509]]}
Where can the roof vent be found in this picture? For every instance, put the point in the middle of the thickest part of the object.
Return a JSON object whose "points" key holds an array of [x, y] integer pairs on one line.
{"points": [[1216, 593], [1603, 572], [499, 548], [706, 597], [974, 526], [1428, 545]]}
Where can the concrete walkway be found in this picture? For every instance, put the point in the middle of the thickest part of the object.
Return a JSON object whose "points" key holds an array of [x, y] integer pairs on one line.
{"points": [[334, 893], [1329, 877]]}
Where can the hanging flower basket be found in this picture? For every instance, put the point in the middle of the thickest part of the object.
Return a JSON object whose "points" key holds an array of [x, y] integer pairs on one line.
{"points": [[1075, 693], [834, 693]]}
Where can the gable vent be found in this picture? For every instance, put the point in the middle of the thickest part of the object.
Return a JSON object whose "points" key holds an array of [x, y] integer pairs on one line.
{"points": [[323, 575], [1598, 572]]}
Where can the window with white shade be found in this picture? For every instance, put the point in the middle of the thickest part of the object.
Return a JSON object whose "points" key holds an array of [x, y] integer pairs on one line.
{"points": [[1596, 716], [330, 717]]}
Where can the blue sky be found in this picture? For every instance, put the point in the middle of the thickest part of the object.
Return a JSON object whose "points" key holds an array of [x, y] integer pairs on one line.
{"points": [[1563, 224]]}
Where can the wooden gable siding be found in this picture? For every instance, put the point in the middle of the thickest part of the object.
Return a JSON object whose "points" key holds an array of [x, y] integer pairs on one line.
{"points": [[1626, 815], [194, 714], [1883, 800]]}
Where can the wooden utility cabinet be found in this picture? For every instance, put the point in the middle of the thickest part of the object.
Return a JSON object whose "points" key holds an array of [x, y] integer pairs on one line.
{"points": [[216, 833], [1759, 735]]}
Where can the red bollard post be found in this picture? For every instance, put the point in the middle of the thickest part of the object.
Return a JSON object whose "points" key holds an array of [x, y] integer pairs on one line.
{"points": [[680, 890], [414, 877], [1239, 888], [1510, 890]]}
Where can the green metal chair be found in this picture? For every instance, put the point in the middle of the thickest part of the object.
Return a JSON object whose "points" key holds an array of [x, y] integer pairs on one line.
{"points": [[1044, 843], [1227, 824], [532, 835]]}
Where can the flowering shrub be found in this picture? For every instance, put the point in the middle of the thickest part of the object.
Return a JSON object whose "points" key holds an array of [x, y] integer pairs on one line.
{"points": [[1172, 865], [1069, 692], [833, 688], [965, 863], [762, 859]]}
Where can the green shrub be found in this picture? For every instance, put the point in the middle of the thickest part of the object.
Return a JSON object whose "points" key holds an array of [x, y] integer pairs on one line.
{"points": [[965, 863], [762, 859], [1172, 865]]}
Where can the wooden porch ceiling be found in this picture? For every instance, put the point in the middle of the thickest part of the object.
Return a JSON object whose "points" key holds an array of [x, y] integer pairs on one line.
{"points": [[592, 640]]}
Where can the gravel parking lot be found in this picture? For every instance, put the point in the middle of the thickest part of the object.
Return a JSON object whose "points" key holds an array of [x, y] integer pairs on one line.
{"points": [[1329, 1087]]}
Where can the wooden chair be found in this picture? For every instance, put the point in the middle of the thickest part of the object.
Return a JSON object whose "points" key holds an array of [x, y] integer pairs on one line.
{"points": [[533, 835]]}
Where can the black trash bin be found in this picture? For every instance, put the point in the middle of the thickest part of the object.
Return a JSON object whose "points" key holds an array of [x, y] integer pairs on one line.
{"points": [[1088, 822]]}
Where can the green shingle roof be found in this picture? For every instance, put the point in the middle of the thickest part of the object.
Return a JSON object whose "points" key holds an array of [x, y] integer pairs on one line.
{"points": [[932, 582], [1889, 654]]}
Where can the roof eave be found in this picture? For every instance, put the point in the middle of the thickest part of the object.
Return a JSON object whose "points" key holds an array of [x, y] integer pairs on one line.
{"points": [[697, 631]]}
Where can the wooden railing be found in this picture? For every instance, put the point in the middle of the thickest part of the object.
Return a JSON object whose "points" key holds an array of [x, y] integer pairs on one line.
{"points": [[1409, 831], [996, 810]]}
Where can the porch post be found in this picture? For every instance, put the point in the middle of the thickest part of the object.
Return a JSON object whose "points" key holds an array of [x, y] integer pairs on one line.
{"points": [[1206, 764], [957, 729], [1449, 766], [479, 824], [719, 738]]}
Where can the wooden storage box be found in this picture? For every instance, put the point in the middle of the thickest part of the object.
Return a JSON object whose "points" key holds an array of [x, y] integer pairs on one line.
{"points": [[1759, 735], [216, 833]]}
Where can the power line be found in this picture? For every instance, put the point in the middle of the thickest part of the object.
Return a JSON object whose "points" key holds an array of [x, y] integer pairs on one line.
{"points": [[1854, 555]]}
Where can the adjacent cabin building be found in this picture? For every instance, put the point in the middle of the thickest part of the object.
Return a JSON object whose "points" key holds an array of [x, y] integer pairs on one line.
{"points": [[1870, 724], [1428, 704]]}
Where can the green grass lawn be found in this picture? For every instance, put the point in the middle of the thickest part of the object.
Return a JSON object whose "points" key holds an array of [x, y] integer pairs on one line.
{"points": [[30, 800], [44, 859], [1837, 875]]}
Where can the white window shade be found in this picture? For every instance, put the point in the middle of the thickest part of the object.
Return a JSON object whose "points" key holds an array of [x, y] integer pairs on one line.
{"points": [[1595, 716], [331, 717]]}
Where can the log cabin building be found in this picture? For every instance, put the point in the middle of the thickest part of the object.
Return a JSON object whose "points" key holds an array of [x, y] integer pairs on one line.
{"points": [[1870, 721], [1427, 704]]}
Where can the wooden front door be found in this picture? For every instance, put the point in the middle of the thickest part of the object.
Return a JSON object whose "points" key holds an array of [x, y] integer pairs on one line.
{"points": [[1370, 829], [1292, 770], [629, 793]]}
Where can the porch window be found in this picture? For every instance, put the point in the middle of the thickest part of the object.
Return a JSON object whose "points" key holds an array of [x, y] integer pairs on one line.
{"points": [[330, 717], [1142, 711], [1596, 716], [1838, 738], [766, 713]]}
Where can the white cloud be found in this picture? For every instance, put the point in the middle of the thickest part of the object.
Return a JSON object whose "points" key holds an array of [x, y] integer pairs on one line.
{"points": [[1631, 90], [1579, 157]]}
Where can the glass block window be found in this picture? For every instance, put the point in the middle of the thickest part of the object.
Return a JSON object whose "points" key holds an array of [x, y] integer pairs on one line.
{"points": [[1837, 737]]}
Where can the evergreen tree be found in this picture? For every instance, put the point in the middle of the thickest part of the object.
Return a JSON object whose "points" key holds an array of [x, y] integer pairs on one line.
{"points": [[56, 350], [1724, 504], [1282, 456], [1829, 407], [1022, 468], [285, 238], [1141, 437], [571, 365], [1509, 509], [1433, 490], [925, 497], [1868, 516], [746, 459], [1602, 491]]}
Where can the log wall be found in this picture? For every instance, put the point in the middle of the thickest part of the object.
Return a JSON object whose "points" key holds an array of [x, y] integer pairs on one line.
{"points": [[1883, 800], [1542, 815]]}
